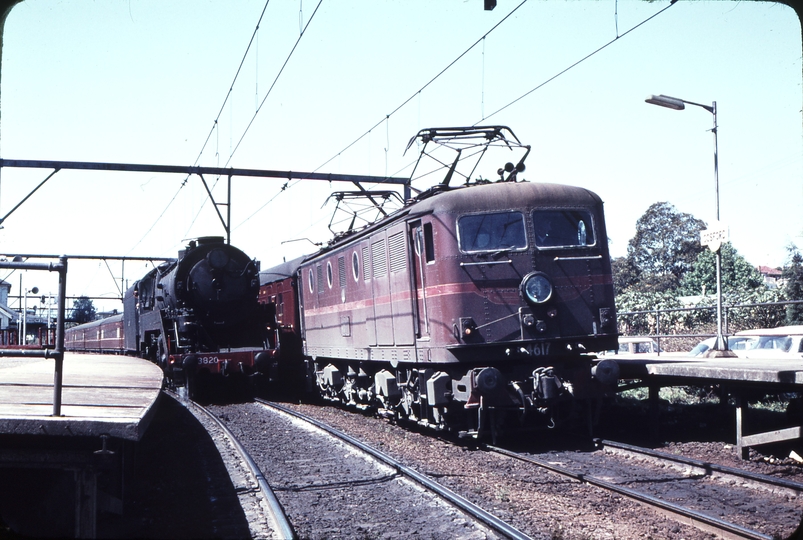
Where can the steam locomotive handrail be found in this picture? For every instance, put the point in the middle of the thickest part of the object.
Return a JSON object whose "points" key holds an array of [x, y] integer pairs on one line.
{"points": [[58, 353]]}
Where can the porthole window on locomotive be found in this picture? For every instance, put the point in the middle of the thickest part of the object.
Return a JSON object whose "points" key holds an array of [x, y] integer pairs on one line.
{"points": [[329, 277], [563, 228], [355, 265], [491, 232], [311, 281]]}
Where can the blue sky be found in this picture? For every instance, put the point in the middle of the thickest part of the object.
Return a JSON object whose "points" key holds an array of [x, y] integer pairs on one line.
{"points": [[144, 81]]}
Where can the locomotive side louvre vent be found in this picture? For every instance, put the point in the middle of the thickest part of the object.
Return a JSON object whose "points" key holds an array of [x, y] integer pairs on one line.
{"points": [[341, 269], [319, 272], [366, 264], [378, 259], [398, 257]]}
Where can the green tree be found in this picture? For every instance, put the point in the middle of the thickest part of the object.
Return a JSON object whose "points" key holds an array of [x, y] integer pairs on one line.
{"points": [[738, 275], [793, 289], [83, 310], [625, 274], [664, 248]]}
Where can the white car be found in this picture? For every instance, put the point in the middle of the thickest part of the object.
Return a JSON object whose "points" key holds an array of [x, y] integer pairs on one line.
{"points": [[737, 344], [781, 342], [634, 345]]}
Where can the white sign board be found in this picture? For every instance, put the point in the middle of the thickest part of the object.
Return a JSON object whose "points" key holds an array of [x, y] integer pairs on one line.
{"points": [[714, 236]]}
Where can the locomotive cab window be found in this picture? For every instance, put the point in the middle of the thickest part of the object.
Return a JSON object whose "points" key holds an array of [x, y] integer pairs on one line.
{"points": [[491, 232], [563, 228]]}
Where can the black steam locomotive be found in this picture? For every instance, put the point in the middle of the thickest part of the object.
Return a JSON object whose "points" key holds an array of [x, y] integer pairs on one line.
{"points": [[197, 316]]}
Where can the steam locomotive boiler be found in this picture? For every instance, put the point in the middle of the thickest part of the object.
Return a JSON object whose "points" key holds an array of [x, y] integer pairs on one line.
{"points": [[197, 316]]}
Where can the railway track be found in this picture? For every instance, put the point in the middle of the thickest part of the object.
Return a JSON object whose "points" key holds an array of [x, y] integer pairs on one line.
{"points": [[657, 490], [333, 486], [266, 517], [543, 504], [501, 527], [330, 490]]}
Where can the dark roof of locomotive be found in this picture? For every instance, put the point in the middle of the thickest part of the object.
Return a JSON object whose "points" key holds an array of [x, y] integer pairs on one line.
{"points": [[458, 200], [505, 195]]}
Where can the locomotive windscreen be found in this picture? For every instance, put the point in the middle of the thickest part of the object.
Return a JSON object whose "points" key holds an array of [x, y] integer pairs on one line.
{"points": [[492, 232], [563, 228]]}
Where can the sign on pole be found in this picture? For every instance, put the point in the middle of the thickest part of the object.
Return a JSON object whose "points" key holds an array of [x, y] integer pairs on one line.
{"points": [[714, 236]]}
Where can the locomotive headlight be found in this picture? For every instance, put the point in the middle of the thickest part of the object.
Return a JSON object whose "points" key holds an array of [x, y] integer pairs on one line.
{"points": [[536, 288], [218, 259]]}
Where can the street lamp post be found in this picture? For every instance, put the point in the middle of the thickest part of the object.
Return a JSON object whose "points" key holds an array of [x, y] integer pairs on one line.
{"points": [[721, 346]]}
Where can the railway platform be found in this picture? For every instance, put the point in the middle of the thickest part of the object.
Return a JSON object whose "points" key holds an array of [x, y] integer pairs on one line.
{"points": [[80, 456], [738, 377]]}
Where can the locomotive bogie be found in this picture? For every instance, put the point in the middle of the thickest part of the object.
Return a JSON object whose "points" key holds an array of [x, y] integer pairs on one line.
{"points": [[457, 398]]}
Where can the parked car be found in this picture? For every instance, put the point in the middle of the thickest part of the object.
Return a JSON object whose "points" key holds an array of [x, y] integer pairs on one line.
{"points": [[735, 343], [781, 342], [634, 345]]}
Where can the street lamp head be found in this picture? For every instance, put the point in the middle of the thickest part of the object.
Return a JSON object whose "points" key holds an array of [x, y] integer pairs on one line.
{"points": [[666, 101]]}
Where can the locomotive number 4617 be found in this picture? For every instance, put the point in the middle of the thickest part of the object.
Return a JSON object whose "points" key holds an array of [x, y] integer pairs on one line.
{"points": [[538, 349]]}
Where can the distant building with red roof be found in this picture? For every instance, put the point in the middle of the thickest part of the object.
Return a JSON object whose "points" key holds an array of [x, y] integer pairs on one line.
{"points": [[772, 276]]}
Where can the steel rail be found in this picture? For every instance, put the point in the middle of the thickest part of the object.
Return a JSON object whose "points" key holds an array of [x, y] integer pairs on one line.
{"points": [[281, 524], [464, 504], [691, 517], [708, 467]]}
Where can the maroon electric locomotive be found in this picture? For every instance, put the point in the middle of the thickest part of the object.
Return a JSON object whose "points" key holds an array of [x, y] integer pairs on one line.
{"points": [[474, 308]]}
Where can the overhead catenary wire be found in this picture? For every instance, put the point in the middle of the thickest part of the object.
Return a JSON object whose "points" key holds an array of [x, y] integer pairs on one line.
{"points": [[586, 57], [386, 119], [478, 41], [418, 92], [618, 36], [432, 80], [259, 108], [215, 124]]}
